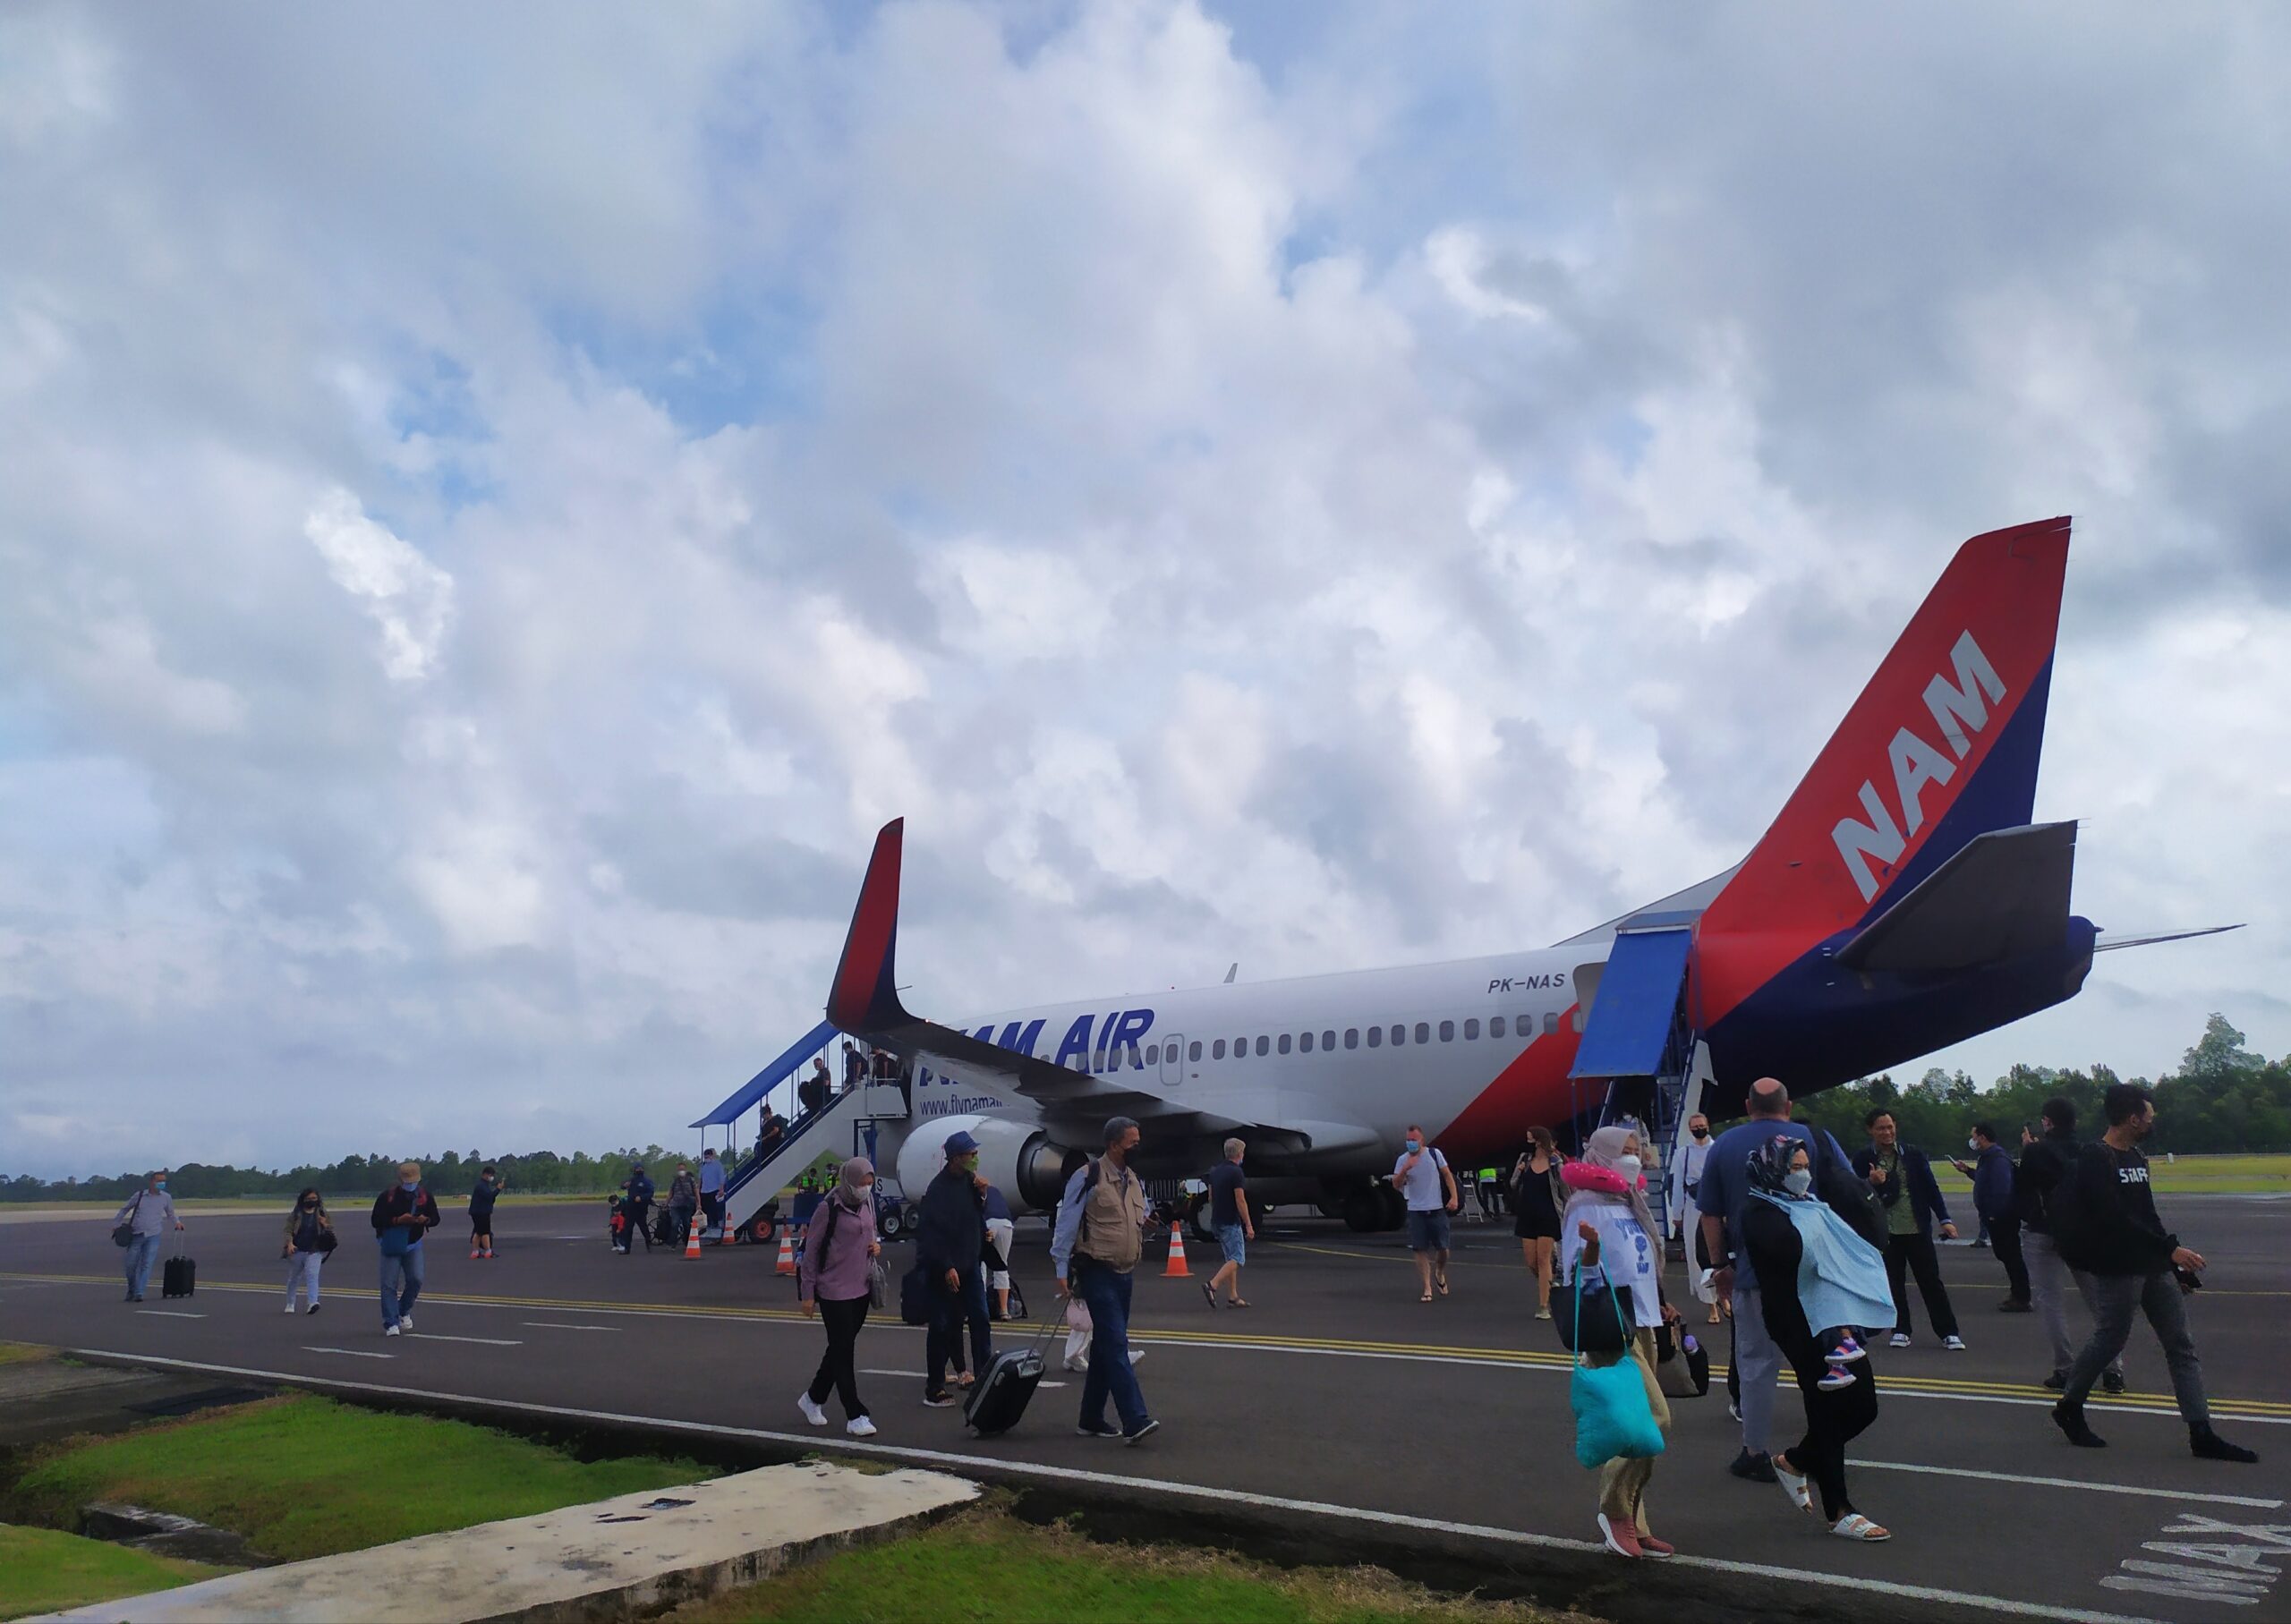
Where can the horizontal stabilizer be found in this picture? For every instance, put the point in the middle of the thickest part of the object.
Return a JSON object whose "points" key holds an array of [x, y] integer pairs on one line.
{"points": [[2150, 938], [2002, 896]]}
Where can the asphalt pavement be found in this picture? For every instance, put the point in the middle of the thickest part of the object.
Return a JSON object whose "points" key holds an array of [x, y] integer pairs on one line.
{"points": [[1336, 1401]]}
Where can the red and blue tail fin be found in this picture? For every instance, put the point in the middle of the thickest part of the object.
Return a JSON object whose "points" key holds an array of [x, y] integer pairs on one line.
{"points": [[1941, 747]]}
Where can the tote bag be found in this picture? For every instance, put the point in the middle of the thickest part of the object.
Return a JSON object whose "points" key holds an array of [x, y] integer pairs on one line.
{"points": [[1612, 1419]]}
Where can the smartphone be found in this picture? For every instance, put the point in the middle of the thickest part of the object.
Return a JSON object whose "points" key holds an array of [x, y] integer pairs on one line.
{"points": [[2189, 1280]]}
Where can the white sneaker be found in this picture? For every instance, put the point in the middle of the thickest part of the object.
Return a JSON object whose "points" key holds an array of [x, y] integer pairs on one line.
{"points": [[812, 1413], [1077, 1362], [859, 1426], [390, 1331], [290, 1308], [1901, 1338], [1954, 1344], [1137, 1354], [406, 1321]]}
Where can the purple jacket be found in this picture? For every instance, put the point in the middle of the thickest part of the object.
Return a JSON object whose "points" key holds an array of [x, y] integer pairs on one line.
{"points": [[843, 1236]]}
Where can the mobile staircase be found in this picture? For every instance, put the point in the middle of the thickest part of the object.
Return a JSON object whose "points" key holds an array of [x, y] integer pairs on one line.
{"points": [[1639, 1043], [844, 1126]]}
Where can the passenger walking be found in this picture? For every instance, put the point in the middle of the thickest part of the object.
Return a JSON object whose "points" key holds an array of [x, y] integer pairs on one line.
{"points": [[1725, 1195], [1538, 1195], [2000, 1217], [403, 1215], [2045, 1161], [949, 1242], [310, 1237], [2106, 1222], [712, 1190], [855, 1065], [147, 1215], [1609, 1228], [1095, 1248], [1818, 1281], [813, 1092], [832, 1282], [1904, 1180], [636, 1202], [481, 1213], [1001, 1228], [1231, 1221], [1422, 1177], [683, 1201]]}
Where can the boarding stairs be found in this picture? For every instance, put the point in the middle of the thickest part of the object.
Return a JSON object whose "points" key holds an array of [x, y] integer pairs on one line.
{"points": [[1641, 1060], [843, 1126]]}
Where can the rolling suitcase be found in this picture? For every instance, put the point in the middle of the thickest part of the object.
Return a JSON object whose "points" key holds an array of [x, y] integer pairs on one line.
{"points": [[180, 1278], [999, 1399]]}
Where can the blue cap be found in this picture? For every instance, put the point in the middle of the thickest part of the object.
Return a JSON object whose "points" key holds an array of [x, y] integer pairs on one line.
{"points": [[960, 1144]]}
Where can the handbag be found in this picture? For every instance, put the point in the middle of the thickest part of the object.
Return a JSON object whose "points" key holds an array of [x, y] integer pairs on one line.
{"points": [[124, 1234], [879, 1284], [1602, 1333], [1681, 1364], [1612, 1419]]}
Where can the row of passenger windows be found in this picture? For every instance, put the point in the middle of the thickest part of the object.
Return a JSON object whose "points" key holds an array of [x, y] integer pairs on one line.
{"points": [[1306, 1042]]}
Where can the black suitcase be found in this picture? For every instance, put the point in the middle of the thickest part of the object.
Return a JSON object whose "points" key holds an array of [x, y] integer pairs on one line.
{"points": [[998, 1400], [180, 1278]]}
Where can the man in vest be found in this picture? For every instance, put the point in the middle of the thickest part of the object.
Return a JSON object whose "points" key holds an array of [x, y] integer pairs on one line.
{"points": [[1101, 1233]]}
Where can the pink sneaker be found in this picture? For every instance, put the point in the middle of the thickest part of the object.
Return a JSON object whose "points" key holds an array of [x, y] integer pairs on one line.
{"points": [[1621, 1538]]}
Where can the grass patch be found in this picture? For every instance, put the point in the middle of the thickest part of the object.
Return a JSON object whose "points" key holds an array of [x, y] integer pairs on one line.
{"points": [[303, 1476], [24, 1352], [48, 1571], [986, 1565]]}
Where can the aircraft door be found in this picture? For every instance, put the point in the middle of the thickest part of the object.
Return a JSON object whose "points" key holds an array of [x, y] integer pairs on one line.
{"points": [[1172, 1070]]}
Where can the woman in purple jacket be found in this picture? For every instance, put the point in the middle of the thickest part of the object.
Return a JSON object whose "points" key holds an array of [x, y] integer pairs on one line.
{"points": [[832, 1281]]}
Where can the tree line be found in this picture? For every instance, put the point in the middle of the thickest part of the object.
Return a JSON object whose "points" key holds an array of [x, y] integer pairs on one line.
{"points": [[2223, 1098]]}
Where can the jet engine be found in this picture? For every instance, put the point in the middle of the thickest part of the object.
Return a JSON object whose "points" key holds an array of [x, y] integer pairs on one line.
{"points": [[1017, 1157]]}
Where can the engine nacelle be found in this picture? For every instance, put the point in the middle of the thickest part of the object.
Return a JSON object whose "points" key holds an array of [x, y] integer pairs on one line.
{"points": [[1016, 1157]]}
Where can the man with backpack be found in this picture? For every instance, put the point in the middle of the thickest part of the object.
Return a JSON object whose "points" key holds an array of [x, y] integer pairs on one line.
{"points": [[2045, 1161], [403, 1215], [1422, 1177], [2104, 1221], [1101, 1234]]}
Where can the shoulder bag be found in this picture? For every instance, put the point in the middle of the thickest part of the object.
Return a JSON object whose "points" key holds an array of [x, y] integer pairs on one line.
{"points": [[1591, 1323], [124, 1234]]}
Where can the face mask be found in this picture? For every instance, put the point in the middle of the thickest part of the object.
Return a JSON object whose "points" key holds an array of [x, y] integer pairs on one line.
{"points": [[409, 1185], [1629, 1167], [1702, 1132], [1798, 1180], [1414, 1146], [310, 1205], [159, 1184], [1972, 1144]]}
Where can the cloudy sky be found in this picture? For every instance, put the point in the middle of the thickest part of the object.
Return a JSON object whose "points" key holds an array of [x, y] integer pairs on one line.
{"points": [[496, 508]]}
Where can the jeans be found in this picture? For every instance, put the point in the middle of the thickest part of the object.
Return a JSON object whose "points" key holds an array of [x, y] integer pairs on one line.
{"points": [[1760, 1364], [1906, 1254], [838, 1371], [302, 1269], [1105, 1292], [680, 1216], [2157, 1296], [2004, 1240], [397, 1303], [141, 1252], [950, 1311], [2048, 1277]]}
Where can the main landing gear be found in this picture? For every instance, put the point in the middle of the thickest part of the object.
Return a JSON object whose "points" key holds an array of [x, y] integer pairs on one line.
{"points": [[1365, 1207]]}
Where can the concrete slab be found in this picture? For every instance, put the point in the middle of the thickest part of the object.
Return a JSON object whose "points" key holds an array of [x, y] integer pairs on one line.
{"points": [[614, 1558]]}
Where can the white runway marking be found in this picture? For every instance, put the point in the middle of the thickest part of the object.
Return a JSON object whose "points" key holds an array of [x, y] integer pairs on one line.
{"points": [[178, 1313], [350, 1353], [432, 1336], [553, 1325], [2068, 1483], [1850, 1583]]}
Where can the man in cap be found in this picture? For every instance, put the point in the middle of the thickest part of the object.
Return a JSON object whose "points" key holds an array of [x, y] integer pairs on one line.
{"points": [[950, 1246]]}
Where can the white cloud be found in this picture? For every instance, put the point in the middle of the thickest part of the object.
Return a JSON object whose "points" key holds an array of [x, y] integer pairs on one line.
{"points": [[409, 598]]}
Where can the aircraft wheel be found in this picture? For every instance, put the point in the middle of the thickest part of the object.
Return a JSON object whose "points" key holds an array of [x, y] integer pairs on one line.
{"points": [[1363, 1213], [1198, 1222], [1395, 1207], [893, 1222]]}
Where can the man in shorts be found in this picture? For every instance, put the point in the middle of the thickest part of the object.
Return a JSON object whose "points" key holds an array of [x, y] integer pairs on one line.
{"points": [[1228, 1217], [1422, 1177]]}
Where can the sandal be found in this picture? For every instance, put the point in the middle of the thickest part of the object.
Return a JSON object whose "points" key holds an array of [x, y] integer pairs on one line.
{"points": [[1424, 1299], [1853, 1526], [1440, 1282], [1794, 1484]]}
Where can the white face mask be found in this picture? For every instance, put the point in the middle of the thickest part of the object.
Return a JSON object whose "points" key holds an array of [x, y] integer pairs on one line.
{"points": [[1629, 1167], [1971, 1144], [1798, 1180]]}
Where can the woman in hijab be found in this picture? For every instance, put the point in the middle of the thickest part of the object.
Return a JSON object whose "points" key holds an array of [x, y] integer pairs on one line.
{"points": [[1814, 1272], [1607, 1226], [832, 1282]]}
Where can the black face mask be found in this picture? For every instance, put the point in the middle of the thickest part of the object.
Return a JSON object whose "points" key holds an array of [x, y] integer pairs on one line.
{"points": [[310, 1206], [1702, 1133]]}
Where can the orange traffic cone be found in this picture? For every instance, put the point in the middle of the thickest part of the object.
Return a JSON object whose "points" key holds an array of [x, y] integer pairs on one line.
{"points": [[692, 1237], [1177, 1270], [786, 1264], [724, 1233]]}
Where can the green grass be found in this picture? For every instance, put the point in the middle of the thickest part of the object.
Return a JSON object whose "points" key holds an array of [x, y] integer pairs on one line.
{"points": [[303, 1477], [988, 1566], [2201, 1175], [24, 1352], [46, 1571]]}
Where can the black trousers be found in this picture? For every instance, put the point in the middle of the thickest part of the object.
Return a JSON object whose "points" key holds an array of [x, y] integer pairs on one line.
{"points": [[838, 1371], [640, 1223], [1833, 1419], [2004, 1240], [1914, 1253]]}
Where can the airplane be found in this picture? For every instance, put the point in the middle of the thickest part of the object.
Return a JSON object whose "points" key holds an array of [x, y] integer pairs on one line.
{"points": [[1903, 900]]}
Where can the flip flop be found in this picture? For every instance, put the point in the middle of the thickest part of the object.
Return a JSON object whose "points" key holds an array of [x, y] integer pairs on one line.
{"points": [[1424, 1299], [1237, 1302], [1441, 1283]]}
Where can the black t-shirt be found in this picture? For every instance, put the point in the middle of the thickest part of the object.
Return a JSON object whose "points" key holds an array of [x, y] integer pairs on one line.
{"points": [[1226, 1181]]}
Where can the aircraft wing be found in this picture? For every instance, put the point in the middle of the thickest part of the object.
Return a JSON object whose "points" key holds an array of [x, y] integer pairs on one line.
{"points": [[863, 1001], [2003, 895]]}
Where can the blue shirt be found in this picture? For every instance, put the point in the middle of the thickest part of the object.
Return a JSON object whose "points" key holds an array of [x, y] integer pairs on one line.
{"points": [[1726, 1189], [711, 1176]]}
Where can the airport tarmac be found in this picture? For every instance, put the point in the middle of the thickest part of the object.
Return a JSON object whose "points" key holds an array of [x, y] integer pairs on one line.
{"points": [[1337, 1398]]}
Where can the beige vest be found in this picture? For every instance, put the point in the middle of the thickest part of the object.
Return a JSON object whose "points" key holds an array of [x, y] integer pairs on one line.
{"points": [[1113, 1219]]}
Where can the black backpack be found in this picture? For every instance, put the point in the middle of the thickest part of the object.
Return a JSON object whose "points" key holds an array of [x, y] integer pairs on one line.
{"points": [[1850, 1196], [2068, 1212]]}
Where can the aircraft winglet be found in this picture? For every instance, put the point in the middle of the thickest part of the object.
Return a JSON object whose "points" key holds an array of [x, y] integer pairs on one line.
{"points": [[2151, 938]]}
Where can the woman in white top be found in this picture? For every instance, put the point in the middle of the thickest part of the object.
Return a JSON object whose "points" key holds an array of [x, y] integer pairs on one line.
{"points": [[1607, 1227]]}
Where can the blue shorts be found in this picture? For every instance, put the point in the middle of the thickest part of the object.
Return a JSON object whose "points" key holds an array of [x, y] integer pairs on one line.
{"points": [[1427, 1231], [1235, 1242]]}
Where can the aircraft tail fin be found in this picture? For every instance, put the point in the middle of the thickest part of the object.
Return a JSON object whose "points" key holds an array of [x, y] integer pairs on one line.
{"points": [[1942, 745]]}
